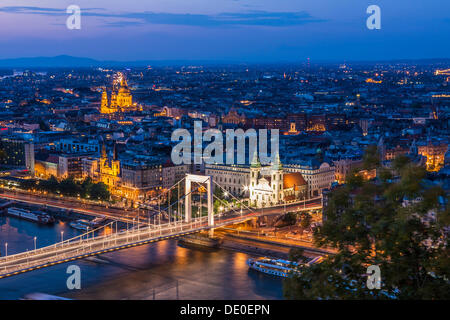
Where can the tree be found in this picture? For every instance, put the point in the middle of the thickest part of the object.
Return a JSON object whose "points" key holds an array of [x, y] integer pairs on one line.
{"points": [[218, 192], [288, 219], [51, 185], [28, 184], [400, 162], [399, 226], [85, 188], [306, 220], [100, 191], [216, 205], [371, 158], [69, 187]]}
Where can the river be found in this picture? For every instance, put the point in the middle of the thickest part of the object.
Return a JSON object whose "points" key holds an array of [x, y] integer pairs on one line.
{"points": [[161, 270]]}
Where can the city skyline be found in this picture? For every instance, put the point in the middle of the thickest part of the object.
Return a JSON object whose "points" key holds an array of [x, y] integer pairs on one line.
{"points": [[241, 31], [226, 150]]}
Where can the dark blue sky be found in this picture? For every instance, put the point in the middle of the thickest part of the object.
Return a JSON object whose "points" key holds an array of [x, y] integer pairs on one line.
{"points": [[241, 30]]}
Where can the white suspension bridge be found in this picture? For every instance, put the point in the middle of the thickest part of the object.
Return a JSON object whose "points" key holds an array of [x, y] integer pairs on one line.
{"points": [[167, 223]]}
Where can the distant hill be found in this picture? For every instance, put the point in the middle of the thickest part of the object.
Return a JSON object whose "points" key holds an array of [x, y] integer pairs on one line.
{"points": [[65, 61], [56, 62]]}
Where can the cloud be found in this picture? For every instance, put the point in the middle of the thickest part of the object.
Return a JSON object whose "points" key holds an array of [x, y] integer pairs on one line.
{"points": [[123, 24], [40, 10], [251, 18], [255, 18]]}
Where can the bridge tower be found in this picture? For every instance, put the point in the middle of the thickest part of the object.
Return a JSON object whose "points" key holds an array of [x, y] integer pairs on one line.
{"points": [[188, 199]]}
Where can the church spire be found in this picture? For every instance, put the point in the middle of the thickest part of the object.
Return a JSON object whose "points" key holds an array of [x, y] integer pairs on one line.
{"points": [[276, 164], [255, 161]]}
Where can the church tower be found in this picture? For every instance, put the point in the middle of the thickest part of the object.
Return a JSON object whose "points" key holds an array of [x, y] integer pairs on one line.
{"points": [[277, 179], [105, 103], [255, 169]]}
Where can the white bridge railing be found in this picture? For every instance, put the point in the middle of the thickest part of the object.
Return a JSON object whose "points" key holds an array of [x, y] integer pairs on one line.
{"points": [[84, 245], [89, 243]]}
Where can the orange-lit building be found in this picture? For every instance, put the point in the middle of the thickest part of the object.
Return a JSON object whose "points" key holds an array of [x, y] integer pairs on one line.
{"points": [[435, 154], [344, 167], [316, 122], [368, 174], [233, 117], [119, 99], [295, 187], [393, 153]]}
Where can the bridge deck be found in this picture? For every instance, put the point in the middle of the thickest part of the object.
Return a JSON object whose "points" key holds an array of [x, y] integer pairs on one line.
{"points": [[84, 246]]}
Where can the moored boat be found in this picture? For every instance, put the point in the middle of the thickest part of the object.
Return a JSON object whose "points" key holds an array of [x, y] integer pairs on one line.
{"points": [[81, 224], [97, 222], [34, 216], [279, 267]]}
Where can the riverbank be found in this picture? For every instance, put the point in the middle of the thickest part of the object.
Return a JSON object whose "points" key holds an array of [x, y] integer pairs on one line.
{"points": [[282, 244], [259, 246]]}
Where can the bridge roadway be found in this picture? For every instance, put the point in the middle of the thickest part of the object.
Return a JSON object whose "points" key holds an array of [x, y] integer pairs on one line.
{"points": [[89, 245], [69, 204]]}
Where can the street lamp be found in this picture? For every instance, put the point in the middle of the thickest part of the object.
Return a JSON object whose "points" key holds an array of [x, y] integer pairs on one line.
{"points": [[35, 243], [62, 236], [6, 249]]}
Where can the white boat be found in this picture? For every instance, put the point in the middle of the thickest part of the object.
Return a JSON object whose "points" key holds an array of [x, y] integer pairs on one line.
{"points": [[97, 222], [279, 267], [81, 224], [35, 216]]}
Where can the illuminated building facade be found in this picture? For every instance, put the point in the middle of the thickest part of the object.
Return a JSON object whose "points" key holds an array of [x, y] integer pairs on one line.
{"points": [[109, 169], [233, 117], [435, 154], [140, 179], [104, 169], [119, 99], [316, 122], [264, 185], [18, 153], [343, 167]]}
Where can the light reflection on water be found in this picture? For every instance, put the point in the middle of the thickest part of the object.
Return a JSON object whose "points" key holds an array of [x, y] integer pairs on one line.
{"points": [[135, 273]]}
